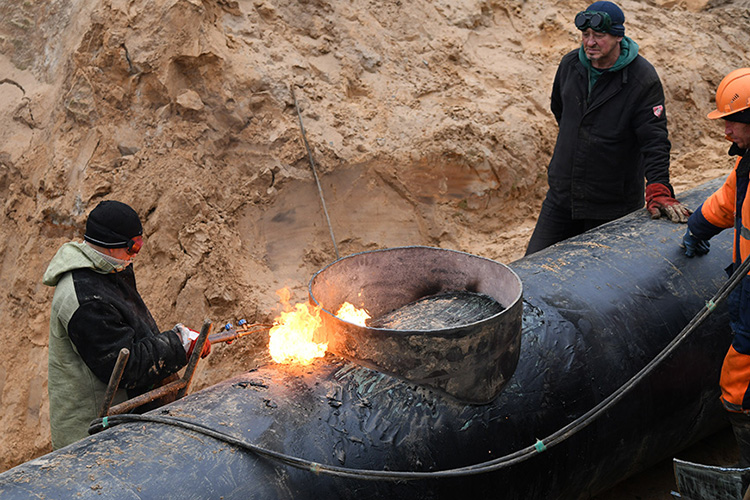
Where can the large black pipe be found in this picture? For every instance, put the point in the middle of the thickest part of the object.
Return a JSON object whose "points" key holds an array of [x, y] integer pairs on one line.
{"points": [[597, 308]]}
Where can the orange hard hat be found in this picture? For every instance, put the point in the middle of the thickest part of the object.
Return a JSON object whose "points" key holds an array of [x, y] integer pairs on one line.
{"points": [[733, 94]]}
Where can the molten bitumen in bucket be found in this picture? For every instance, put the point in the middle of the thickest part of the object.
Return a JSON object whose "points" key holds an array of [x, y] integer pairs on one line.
{"points": [[442, 310], [446, 319]]}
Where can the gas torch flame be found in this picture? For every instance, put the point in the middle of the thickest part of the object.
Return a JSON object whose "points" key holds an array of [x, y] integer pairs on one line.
{"points": [[292, 336], [293, 333]]}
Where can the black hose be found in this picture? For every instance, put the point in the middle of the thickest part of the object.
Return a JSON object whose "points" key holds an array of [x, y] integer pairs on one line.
{"points": [[481, 468]]}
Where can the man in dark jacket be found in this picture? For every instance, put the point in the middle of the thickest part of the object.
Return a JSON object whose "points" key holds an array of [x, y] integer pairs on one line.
{"points": [[609, 104], [96, 311]]}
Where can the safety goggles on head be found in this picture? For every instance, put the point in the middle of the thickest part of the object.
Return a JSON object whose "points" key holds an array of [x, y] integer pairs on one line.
{"points": [[597, 21], [134, 245]]}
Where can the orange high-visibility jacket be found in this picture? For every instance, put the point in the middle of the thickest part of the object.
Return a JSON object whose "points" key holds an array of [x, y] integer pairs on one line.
{"points": [[720, 210]]}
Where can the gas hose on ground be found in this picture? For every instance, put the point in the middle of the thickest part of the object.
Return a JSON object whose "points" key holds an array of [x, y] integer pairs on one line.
{"points": [[521, 455]]}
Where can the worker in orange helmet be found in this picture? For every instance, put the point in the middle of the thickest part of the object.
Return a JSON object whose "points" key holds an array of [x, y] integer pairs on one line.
{"points": [[96, 311], [729, 207]]}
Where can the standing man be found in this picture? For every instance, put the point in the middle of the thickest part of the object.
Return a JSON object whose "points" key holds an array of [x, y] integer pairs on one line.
{"points": [[609, 105], [96, 311], [729, 207]]}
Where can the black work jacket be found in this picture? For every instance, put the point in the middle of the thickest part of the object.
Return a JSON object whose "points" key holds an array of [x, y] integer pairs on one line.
{"points": [[112, 315], [608, 141]]}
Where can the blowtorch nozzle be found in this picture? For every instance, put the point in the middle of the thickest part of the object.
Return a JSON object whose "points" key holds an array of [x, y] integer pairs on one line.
{"points": [[228, 333]]}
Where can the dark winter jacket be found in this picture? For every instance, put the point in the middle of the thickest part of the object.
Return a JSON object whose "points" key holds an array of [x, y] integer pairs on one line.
{"points": [[608, 140], [96, 311]]}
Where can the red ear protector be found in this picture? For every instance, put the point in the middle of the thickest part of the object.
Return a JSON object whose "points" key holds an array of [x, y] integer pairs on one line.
{"points": [[134, 245]]}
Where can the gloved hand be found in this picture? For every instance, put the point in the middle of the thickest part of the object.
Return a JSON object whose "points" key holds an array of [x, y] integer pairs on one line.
{"points": [[694, 246], [189, 337], [659, 201]]}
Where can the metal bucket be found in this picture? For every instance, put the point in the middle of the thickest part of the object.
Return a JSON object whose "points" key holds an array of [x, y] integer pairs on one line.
{"points": [[471, 362]]}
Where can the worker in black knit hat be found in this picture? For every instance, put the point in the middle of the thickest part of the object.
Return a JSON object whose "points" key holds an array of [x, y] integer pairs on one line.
{"points": [[96, 311], [612, 144]]}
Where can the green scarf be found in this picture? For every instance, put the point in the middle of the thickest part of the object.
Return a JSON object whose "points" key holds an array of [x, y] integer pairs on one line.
{"points": [[628, 52]]}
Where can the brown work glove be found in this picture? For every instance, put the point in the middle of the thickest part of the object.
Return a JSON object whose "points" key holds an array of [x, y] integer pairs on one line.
{"points": [[659, 201]]}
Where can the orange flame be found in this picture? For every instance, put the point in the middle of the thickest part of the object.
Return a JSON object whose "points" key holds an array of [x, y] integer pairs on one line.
{"points": [[292, 338], [293, 333], [348, 312]]}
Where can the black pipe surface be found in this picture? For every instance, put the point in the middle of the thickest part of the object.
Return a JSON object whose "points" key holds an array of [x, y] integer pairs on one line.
{"points": [[597, 308]]}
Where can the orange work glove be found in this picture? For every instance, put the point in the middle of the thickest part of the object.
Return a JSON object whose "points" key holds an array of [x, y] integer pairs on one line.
{"points": [[659, 201]]}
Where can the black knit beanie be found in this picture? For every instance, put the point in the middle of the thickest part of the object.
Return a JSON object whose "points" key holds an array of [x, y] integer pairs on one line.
{"points": [[615, 14], [740, 116], [112, 224]]}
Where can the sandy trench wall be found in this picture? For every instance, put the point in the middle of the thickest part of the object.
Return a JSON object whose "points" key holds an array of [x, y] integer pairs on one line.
{"points": [[428, 122]]}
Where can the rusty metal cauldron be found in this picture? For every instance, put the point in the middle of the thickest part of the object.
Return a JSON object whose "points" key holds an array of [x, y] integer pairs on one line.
{"points": [[470, 362]]}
